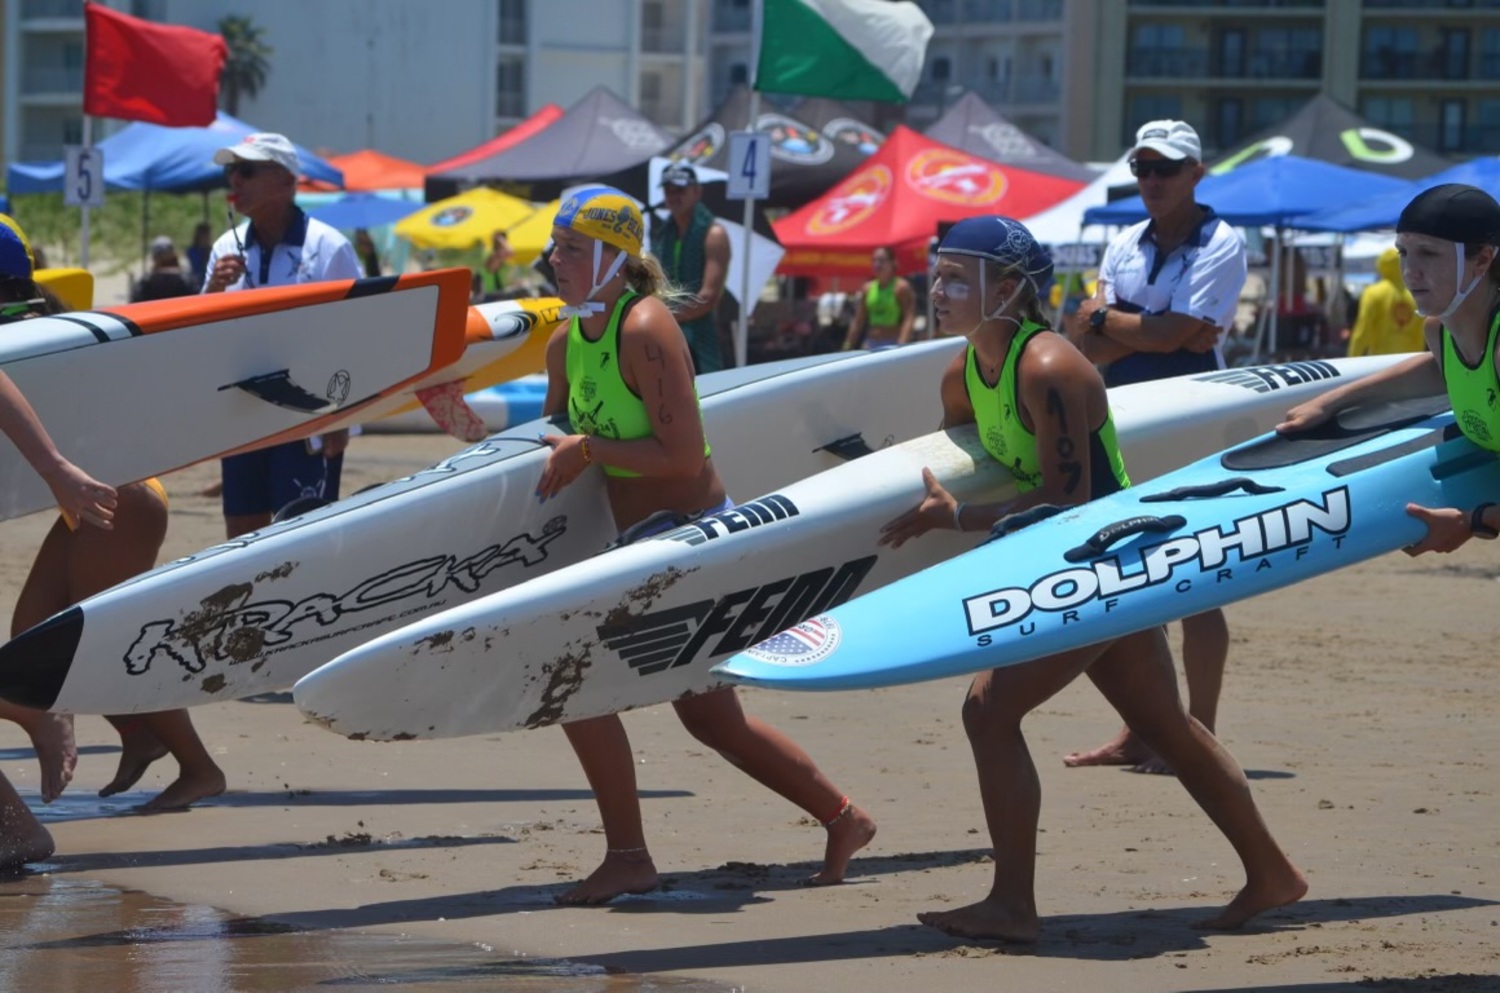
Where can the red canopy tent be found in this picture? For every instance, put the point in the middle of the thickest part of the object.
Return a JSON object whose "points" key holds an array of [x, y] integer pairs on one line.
{"points": [[371, 170], [898, 197], [513, 136]]}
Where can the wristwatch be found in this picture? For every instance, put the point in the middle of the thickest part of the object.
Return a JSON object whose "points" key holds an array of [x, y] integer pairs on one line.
{"points": [[1476, 523], [1097, 319]]}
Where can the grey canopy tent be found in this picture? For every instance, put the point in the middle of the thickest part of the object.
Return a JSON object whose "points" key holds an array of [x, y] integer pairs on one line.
{"points": [[597, 136], [977, 128]]}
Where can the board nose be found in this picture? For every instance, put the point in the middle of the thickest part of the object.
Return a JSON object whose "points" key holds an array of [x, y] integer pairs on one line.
{"points": [[35, 664]]}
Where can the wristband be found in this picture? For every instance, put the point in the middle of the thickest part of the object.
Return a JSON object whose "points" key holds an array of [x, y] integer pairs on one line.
{"points": [[583, 445], [1477, 527], [958, 514]]}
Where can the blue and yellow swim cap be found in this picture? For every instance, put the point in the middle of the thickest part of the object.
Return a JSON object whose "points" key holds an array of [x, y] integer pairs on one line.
{"points": [[16, 258], [605, 214]]}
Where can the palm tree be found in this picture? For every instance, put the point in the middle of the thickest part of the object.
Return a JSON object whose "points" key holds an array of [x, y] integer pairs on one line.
{"points": [[248, 64]]}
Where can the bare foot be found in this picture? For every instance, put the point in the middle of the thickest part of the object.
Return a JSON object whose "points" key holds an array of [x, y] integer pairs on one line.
{"points": [[56, 752], [1255, 898], [846, 835], [985, 919], [1153, 766], [213, 489], [139, 747], [185, 791], [617, 875], [24, 843], [1125, 749]]}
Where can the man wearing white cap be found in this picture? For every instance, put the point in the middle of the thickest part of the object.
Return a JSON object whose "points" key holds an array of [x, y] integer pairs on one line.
{"points": [[1168, 289], [279, 246]]}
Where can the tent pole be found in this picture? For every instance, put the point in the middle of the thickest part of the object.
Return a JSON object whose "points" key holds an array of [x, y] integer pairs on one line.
{"points": [[145, 226], [1275, 290]]}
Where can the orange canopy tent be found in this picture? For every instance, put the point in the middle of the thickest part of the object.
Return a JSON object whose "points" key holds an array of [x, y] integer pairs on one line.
{"points": [[897, 198], [371, 170]]}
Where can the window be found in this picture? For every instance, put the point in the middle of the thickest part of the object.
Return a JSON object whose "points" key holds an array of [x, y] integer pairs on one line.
{"points": [[1149, 107], [1232, 52], [512, 22], [739, 74], [942, 69], [510, 87], [1451, 126], [1396, 114], [1389, 52], [1453, 57], [1230, 119]]}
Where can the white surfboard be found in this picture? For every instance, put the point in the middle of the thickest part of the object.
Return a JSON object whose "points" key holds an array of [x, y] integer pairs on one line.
{"points": [[500, 406], [506, 341], [259, 612], [643, 624], [142, 389]]}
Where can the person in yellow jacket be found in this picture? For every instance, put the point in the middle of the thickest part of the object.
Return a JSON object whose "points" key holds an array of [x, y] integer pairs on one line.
{"points": [[1388, 322]]}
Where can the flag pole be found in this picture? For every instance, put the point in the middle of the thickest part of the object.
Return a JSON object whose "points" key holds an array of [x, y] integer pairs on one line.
{"points": [[742, 333], [83, 226]]}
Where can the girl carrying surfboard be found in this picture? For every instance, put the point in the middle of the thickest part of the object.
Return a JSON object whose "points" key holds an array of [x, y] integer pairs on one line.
{"points": [[621, 370], [1041, 410], [1449, 241]]}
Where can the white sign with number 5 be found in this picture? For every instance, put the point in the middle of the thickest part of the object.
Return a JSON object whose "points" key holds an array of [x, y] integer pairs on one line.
{"points": [[83, 176]]}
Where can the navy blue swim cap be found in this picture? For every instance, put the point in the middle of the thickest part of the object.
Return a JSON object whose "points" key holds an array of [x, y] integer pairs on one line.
{"points": [[1453, 212], [1004, 241]]}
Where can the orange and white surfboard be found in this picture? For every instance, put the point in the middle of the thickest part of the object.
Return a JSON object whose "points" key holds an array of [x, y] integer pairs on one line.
{"points": [[141, 389]]}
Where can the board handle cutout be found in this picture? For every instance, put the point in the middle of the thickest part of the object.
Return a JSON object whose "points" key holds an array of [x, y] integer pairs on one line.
{"points": [[848, 448], [1120, 530], [277, 389], [1222, 488]]}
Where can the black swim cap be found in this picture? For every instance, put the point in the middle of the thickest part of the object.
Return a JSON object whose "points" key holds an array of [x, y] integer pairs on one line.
{"points": [[1453, 212]]}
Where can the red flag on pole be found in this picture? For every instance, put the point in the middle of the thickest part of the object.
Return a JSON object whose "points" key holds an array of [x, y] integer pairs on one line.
{"points": [[137, 70]]}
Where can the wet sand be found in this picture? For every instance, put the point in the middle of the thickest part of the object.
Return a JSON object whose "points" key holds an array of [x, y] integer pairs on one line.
{"points": [[1364, 705]]}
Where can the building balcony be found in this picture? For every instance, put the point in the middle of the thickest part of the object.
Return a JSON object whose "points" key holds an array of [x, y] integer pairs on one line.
{"points": [[988, 11], [1201, 63], [666, 39], [1420, 6], [1471, 139], [1237, 5], [52, 10], [1034, 89], [51, 81], [996, 92], [731, 18], [1039, 10], [513, 31], [1433, 65]]}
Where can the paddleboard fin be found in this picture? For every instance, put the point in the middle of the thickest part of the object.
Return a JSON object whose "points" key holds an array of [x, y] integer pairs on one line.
{"points": [[850, 448], [1222, 488], [277, 389], [34, 665], [1011, 523], [1120, 530], [1350, 428]]}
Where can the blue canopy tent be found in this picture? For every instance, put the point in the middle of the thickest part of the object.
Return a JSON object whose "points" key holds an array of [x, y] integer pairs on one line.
{"points": [[363, 210], [1384, 210], [1274, 191], [1277, 192], [151, 157]]}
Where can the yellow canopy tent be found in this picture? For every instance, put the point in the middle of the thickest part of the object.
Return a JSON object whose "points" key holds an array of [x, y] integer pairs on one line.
{"points": [[465, 221], [528, 238]]}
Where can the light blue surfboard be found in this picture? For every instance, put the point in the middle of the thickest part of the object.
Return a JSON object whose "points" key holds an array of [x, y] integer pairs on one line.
{"points": [[1255, 518]]}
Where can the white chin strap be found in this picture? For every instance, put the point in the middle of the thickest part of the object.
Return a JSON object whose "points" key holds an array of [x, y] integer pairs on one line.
{"points": [[590, 306], [997, 314], [1460, 292]]}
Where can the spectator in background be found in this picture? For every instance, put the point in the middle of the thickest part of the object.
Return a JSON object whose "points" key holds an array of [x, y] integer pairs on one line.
{"points": [[693, 249], [498, 277], [364, 247], [166, 278], [886, 308], [280, 246], [1168, 290], [1387, 322], [198, 252]]}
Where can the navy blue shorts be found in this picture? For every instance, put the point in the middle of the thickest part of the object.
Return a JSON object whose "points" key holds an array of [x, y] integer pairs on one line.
{"points": [[264, 481]]}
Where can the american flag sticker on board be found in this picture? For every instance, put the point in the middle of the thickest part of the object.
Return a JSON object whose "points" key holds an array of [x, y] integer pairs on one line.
{"points": [[808, 642]]}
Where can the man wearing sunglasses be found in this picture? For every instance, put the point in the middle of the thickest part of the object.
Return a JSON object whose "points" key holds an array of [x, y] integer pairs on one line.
{"points": [[1168, 289], [280, 246]]}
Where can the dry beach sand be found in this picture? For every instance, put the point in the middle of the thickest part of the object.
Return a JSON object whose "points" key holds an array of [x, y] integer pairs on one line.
{"points": [[1364, 704]]}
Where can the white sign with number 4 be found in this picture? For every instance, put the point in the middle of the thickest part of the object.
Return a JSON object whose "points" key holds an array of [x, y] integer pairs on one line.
{"points": [[749, 165]]}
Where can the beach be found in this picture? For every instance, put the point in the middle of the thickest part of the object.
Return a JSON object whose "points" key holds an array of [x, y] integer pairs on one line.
{"points": [[1362, 704]]}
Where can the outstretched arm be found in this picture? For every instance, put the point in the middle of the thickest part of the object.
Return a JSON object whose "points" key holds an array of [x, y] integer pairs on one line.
{"points": [[78, 495]]}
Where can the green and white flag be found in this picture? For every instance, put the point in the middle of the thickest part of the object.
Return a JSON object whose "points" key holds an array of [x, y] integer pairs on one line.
{"points": [[845, 49]]}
